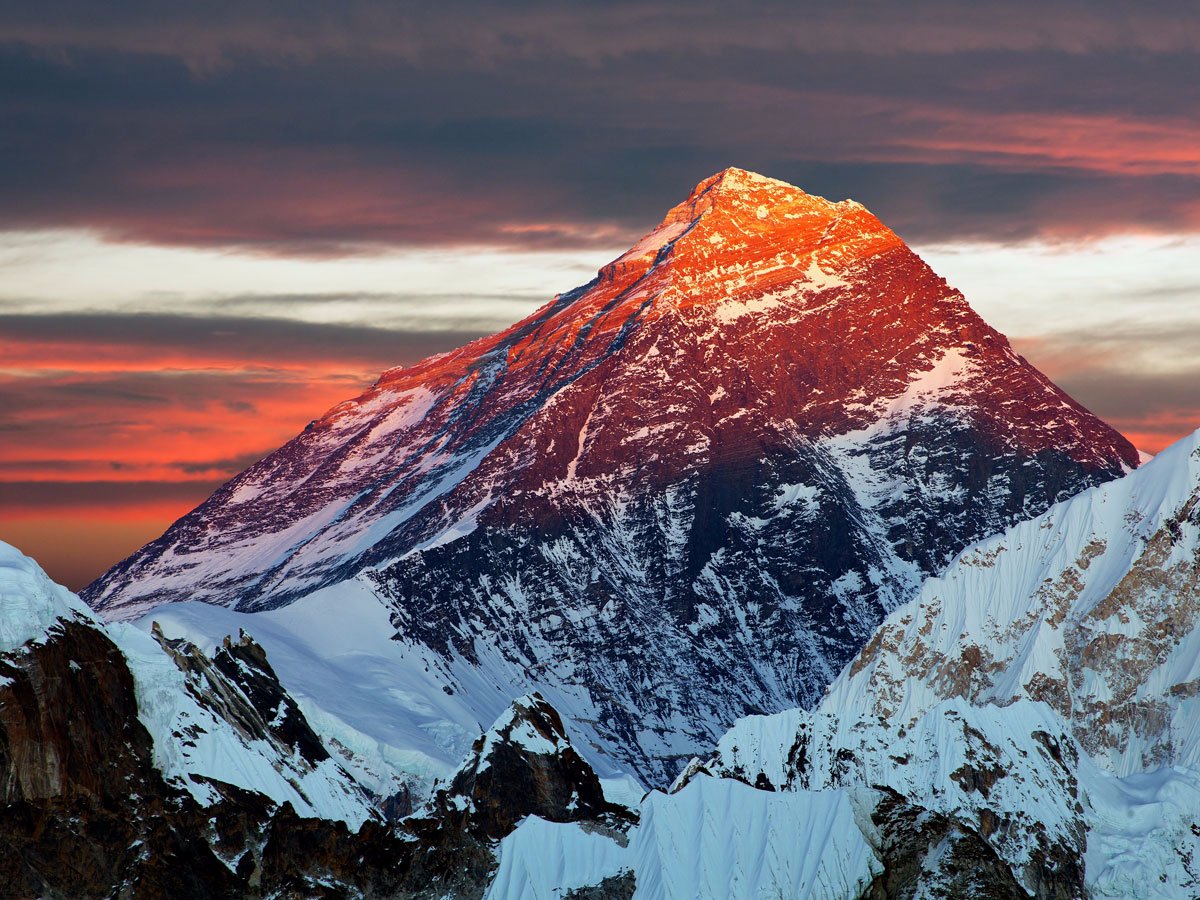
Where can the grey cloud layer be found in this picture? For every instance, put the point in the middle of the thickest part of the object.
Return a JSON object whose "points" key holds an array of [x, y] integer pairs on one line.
{"points": [[214, 32], [318, 129], [261, 341]]}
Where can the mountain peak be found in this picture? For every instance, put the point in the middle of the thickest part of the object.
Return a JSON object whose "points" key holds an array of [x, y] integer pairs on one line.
{"points": [[735, 188], [713, 468], [735, 218], [733, 184], [732, 180]]}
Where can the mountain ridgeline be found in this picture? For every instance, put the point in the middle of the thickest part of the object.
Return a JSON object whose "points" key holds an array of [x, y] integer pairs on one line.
{"points": [[684, 492]]}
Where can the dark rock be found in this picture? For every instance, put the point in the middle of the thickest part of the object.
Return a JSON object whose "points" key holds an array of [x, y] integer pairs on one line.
{"points": [[244, 663], [616, 887], [85, 813], [927, 854], [508, 777]]}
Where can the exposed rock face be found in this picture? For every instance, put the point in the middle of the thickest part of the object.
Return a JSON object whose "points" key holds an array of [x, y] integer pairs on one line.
{"points": [[1026, 726], [240, 683], [1091, 609], [94, 803], [615, 887], [65, 716], [926, 854], [523, 766], [711, 470], [84, 812]]}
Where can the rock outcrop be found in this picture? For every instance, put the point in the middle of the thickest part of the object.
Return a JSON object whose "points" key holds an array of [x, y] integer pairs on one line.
{"points": [[110, 789]]}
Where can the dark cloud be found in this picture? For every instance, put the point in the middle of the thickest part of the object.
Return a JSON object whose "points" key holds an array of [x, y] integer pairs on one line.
{"points": [[1117, 394], [193, 341], [73, 494], [332, 129], [228, 466], [212, 34]]}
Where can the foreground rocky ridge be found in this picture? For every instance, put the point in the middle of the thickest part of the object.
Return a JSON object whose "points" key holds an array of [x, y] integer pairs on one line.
{"points": [[713, 470], [98, 801]]}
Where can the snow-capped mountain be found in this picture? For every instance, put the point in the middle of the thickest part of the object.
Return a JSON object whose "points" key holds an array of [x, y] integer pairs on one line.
{"points": [[1024, 727], [130, 764], [683, 492], [221, 719]]}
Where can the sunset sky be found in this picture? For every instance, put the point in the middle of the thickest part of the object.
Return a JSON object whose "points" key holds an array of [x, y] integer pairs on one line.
{"points": [[217, 221]]}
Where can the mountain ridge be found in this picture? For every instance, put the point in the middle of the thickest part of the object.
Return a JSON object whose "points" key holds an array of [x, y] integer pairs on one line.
{"points": [[1041, 693], [138, 765], [717, 464]]}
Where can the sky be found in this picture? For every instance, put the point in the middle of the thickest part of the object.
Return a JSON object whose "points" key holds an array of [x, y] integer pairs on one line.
{"points": [[218, 220]]}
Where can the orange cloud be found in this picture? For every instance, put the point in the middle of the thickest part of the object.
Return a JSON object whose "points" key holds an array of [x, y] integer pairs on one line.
{"points": [[1108, 144], [107, 442], [1153, 408]]}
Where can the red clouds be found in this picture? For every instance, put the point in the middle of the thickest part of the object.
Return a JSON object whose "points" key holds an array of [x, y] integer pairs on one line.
{"points": [[109, 438]]}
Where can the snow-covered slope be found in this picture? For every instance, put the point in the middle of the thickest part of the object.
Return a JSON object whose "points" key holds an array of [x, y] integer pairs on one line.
{"points": [[685, 491], [1093, 611], [1025, 727], [204, 726], [1091, 608]]}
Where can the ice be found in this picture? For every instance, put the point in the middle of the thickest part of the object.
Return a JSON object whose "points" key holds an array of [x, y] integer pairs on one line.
{"points": [[30, 603], [722, 838], [544, 860]]}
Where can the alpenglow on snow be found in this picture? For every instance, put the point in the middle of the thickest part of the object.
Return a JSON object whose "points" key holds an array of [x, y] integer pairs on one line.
{"points": [[686, 491]]}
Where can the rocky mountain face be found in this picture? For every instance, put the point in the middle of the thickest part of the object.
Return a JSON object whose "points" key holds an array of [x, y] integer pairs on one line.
{"points": [[686, 491], [99, 801], [134, 769], [524, 765], [524, 768], [214, 720], [1027, 725]]}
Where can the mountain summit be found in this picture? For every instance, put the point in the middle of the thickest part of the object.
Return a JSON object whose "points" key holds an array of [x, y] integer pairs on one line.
{"points": [[685, 491]]}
